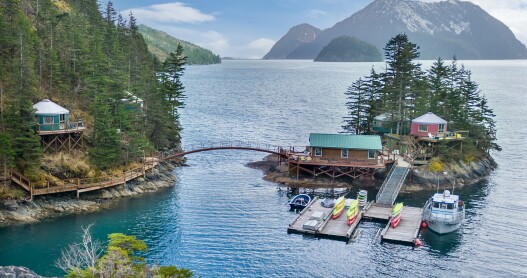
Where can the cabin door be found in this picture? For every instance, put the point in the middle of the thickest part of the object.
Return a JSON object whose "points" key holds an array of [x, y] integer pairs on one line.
{"points": [[62, 121]]}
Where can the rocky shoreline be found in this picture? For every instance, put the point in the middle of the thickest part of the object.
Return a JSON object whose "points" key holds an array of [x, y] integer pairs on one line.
{"points": [[26, 211], [459, 173], [17, 272]]}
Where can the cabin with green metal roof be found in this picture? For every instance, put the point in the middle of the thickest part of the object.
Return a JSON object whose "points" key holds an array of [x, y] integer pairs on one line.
{"points": [[345, 147]]}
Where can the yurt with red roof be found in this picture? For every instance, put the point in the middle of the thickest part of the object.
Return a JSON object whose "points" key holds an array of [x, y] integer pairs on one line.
{"points": [[429, 125]]}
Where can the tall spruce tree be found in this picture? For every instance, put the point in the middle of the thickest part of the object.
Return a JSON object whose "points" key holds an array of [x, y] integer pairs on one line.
{"points": [[400, 77], [358, 105]]}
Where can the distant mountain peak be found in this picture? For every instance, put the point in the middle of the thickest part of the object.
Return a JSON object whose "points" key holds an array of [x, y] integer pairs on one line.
{"points": [[296, 36], [441, 28]]}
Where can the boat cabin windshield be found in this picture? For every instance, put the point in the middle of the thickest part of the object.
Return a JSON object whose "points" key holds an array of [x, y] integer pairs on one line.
{"points": [[441, 205]]}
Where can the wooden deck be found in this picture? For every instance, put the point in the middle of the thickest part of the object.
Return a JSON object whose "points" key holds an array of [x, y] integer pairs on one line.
{"points": [[379, 164], [334, 228], [407, 230], [71, 127], [378, 212], [81, 185]]}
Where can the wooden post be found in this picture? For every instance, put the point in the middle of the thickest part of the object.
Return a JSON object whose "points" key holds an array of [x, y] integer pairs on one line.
{"points": [[297, 170]]}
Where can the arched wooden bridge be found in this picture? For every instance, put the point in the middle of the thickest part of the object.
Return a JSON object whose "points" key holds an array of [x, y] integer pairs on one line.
{"points": [[258, 147]]}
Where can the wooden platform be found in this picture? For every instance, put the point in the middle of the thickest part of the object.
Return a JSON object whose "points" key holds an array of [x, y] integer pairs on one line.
{"points": [[334, 228], [378, 212], [407, 230]]}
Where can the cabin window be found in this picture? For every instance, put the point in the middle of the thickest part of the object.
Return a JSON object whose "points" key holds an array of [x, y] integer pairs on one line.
{"points": [[344, 153], [48, 120], [371, 154], [441, 128], [443, 206], [423, 128], [62, 118], [450, 206], [436, 205], [318, 151]]}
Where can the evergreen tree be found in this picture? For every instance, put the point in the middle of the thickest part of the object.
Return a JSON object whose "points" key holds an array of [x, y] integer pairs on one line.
{"points": [[106, 150], [358, 107], [400, 77]]}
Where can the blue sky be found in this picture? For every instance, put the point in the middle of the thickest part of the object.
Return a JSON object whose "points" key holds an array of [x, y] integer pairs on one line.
{"points": [[249, 28]]}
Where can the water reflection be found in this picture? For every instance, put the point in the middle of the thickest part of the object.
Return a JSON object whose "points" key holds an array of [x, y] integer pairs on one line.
{"points": [[443, 244]]}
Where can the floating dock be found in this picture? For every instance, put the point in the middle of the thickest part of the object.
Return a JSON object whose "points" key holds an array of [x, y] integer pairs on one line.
{"points": [[407, 230], [325, 226], [405, 233], [378, 212]]}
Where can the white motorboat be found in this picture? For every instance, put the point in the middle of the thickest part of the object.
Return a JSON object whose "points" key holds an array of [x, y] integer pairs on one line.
{"points": [[444, 212]]}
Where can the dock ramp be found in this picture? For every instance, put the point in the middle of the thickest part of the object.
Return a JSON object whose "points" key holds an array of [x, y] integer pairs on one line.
{"points": [[392, 184]]}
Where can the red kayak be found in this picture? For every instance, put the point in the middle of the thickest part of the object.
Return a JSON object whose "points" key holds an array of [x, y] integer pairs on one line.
{"points": [[395, 221], [352, 219]]}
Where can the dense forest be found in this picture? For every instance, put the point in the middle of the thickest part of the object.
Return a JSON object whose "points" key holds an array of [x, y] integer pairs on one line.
{"points": [[162, 44], [404, 91], [349, 49], [89, 59]]}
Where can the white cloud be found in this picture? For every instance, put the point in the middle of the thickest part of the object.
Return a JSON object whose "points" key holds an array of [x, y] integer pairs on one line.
{"points": [[261, 44], [214, 41], [316, 13], [510, 12], [175, 12]]}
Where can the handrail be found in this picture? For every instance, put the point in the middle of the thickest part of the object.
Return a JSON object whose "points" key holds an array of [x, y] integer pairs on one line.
{"points": [[77, 183], [385, 182], [401, 182], [78, 125]]}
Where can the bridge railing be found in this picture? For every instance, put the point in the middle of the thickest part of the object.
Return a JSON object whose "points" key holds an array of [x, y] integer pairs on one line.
{"points": [[243, 144]]}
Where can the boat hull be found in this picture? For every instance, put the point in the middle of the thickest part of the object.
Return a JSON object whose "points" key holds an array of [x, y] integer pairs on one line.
{"points": [[299, 202], [442, 227]]}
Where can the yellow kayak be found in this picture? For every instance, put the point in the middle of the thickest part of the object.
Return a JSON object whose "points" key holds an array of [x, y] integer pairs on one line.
{"points": [[397, 209], [353, 208], [339, 207]]}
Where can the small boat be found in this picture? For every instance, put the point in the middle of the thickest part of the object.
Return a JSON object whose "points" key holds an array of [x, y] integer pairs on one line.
{"points": [[444, 212], [396, 214], [328, 203], [353, 211], [339, 207], [299, 202]]}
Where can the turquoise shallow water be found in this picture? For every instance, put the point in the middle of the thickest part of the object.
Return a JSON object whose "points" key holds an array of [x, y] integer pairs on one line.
{"points": [[222, 220]]}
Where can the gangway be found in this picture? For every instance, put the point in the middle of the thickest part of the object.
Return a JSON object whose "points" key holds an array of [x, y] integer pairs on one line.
{"points": [[392, 184]]}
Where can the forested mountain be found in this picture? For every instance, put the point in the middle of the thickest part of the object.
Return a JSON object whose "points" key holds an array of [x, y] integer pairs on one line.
{"points": [[349, 49], [88, 61], [295, 37], [441, 28], [161, 44]]}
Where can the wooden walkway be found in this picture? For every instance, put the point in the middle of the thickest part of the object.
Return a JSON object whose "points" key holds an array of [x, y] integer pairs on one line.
{"points": [[81, 185], [334, 228]]}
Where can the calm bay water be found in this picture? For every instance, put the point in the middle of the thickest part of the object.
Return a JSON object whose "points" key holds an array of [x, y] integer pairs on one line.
{"points": [[222, 220]]}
